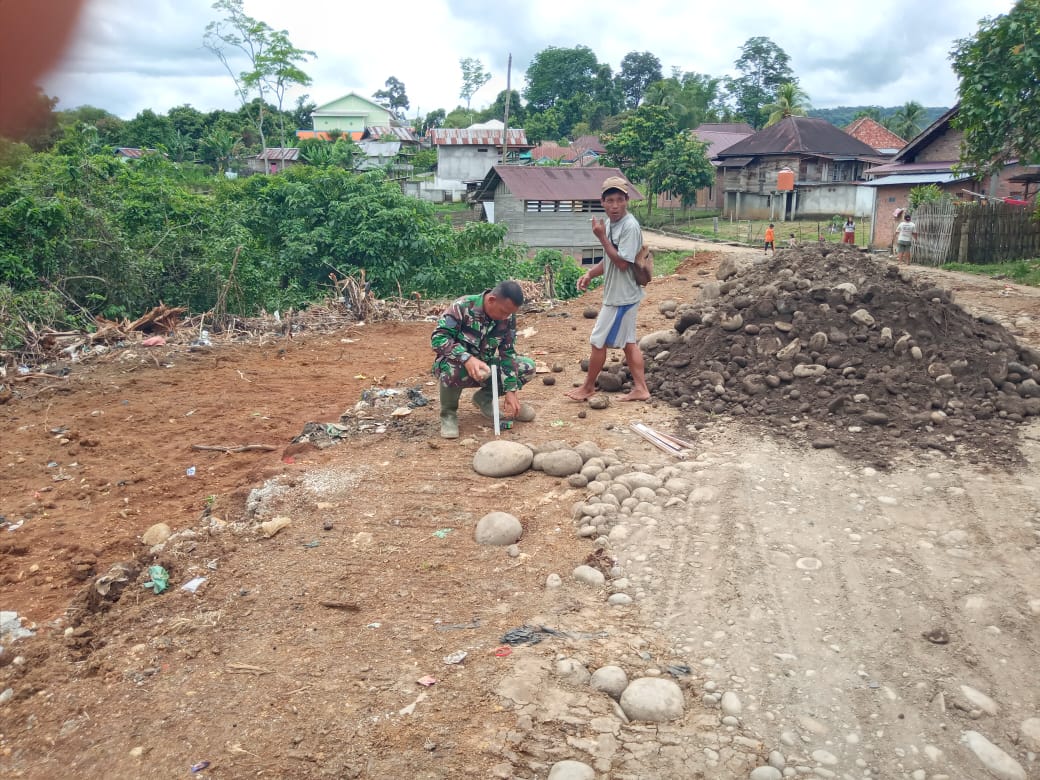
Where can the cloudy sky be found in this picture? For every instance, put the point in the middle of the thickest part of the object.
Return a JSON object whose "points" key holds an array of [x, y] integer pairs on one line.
{"points": [[128, 56]]}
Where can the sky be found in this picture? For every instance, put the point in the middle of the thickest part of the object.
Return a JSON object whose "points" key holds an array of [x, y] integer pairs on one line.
{"points": [[127, 56]]}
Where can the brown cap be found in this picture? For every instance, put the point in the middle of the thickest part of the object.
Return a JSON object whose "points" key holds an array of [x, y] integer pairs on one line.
{"points": [[614, 183]]}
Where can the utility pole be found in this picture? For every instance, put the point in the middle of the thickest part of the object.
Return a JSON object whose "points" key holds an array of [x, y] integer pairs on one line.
{"points": [[505, 130]]}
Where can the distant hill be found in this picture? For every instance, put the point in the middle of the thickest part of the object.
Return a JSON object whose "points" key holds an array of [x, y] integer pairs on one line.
{"points": [[842, 116]]}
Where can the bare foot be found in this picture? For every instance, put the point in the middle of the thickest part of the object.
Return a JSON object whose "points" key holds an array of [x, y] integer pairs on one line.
{"points": [[636, 395], [580, 394]]}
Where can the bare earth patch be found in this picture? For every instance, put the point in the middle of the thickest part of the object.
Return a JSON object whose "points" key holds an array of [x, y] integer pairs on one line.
{"points": [[805, 582]]}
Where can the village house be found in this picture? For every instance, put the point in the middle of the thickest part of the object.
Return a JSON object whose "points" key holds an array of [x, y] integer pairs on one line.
{"points": [[548, 207], [932, 158], [719, 136], [464, 157], [823, 166], [274, 159], [349, 116], [876, 135]]}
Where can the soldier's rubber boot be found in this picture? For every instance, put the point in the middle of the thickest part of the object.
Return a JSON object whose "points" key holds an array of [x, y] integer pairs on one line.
{"points": [[450, 412], [484, 401]]}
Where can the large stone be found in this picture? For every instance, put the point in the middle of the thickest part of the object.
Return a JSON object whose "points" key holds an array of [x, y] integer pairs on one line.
{"points": [[572, 671], [561, 463], [502, 459], [157, 534], [612, 680], [652, 699], [766, 773], [498, 529], [1030, 729], [997, 762], [589, 576], [658, 338], [609, 381], [571, 770]]}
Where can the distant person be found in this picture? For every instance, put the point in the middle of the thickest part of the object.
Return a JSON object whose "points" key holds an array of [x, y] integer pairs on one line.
{"points": [[849, 232], [473, 337], [792, 241], [906, 232], [770, 240], [621, 238]]}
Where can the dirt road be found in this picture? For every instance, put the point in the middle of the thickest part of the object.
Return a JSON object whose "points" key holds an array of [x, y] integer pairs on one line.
{"points": [[821, 617]]}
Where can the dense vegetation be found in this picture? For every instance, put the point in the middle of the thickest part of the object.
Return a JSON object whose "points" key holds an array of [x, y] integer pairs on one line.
{"points": [[82, 235]]}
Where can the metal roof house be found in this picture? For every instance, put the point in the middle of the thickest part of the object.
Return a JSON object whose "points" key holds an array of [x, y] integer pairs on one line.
{"points": [[828, 166], [464, 156], [548, 207], [932, 158], [350, 114]]}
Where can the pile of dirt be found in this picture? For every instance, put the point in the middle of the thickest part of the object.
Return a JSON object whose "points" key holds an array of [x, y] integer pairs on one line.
{"points": [[851, 351]]}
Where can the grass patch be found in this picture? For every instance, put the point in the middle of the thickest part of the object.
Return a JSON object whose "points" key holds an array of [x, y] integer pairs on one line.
{"points": [[1017, 271], [666, 262]]}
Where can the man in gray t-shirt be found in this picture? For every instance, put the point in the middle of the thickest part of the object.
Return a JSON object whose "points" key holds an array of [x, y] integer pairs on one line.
{"points": [[615, 326]]}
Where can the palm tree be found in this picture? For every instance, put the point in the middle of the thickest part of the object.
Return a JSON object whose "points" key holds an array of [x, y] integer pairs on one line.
{"points": [[790, 101], [907, 122]]}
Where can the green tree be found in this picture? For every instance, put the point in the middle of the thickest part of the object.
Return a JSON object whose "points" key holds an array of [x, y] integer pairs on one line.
{"points": [[790, 101], [692, 98], [681, 167], [279, 67], [870, 112], [642, 137], [638, 71], [271, 60], [459, 117], [393, 97], [430, 121], [907, 122], [764, 66], [927, 193], [556, 74], [473, 78], [497, 109], [301, 113], [999, 90], [220, 148], [147, 130]]}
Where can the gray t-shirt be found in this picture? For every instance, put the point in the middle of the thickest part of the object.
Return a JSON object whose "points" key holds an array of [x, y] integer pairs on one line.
{"points": [[620, 287]]}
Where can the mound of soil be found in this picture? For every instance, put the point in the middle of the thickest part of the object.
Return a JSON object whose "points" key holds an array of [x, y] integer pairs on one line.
{"points": [[850, 350]]}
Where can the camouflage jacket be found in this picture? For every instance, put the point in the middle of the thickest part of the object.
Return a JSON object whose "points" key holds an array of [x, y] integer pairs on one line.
{"points": [[464, 330]]}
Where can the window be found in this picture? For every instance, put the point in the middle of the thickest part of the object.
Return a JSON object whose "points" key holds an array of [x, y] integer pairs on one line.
{"points": [[562, 206], [591, 256]]}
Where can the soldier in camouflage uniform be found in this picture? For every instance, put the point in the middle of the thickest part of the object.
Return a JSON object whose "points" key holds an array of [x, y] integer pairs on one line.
{"points": [[475, 331]]}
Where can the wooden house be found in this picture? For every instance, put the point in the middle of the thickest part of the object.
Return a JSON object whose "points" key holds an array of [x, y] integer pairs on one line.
{"points": [[827, 164], [548, 207]]}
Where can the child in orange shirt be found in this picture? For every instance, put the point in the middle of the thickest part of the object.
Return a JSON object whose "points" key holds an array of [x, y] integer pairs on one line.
{"points": [[770, 240]]}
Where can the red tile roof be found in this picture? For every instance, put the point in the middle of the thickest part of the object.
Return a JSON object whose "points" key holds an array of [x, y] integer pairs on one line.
{"points": [[874, 134], [450, 136]]}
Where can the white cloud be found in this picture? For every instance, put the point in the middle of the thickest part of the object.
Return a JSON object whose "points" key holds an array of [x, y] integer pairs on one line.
{"points": [[882, 52]]}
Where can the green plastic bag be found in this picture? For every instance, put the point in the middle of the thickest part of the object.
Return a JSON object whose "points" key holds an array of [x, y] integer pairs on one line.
{"points": [[160, 579]]}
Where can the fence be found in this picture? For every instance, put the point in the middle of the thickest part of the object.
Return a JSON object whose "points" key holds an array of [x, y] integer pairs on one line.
{"points": [[976, 233]]}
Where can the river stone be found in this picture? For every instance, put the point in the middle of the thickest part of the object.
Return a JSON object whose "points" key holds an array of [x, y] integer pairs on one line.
{"points": [[561, 463], [862, 317], [157, 534], [731, 704], [609, 382], [498, 529], [572, 671], [587, 575], [1030, 729], [502, 459], [997, 762], [809, 370], [599, 401], [612, 680], [652, 699], [571, 770], [765, 773], [651, 341], [979, 700]]}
